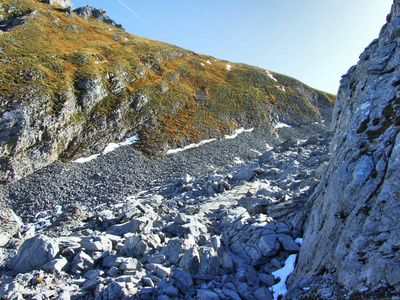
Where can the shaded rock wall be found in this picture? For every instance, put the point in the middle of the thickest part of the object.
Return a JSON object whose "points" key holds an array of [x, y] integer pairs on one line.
{"points": [[352, 230]]}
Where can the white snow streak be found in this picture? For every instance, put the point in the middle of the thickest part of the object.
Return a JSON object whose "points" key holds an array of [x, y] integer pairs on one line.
{"points": [[193, 146], [127, 142], [283, 274], [237, 132], [238, 161], [110, 147], [209, 62], [86, 159], [228, 67], [271, 76], [268, 147], [282, 125]]}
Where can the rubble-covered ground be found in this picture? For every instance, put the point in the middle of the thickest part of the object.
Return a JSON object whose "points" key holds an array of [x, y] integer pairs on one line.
{"points": [[231, 231]]}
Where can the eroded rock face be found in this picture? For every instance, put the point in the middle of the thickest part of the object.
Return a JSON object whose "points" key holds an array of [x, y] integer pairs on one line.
{"points": [[99, 14], [352, 230], [32, 138]]}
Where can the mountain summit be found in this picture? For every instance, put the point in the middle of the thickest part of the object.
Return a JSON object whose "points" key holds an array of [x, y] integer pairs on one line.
{"points": [[72, 82]]}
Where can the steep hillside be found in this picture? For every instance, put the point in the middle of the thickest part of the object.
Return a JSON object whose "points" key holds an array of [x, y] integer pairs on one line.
{"points": [[69, 85], [352, 233]]}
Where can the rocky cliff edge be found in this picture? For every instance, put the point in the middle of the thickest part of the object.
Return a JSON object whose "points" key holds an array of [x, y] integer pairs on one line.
{"points": [[352, 232]]}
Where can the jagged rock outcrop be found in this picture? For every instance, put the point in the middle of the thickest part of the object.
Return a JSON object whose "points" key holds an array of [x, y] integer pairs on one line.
{"points": [[352, 232], [99, 14]]}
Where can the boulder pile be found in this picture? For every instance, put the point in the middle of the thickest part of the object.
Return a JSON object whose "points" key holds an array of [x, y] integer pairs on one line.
{"points": [[221, 236]]}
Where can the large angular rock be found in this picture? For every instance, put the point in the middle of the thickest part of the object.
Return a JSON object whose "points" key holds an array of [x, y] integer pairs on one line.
{"points": [[55, 266], [96, 243], [190, 261], [135, 246], [33, 254], [81, 263], [183, 281], [245, 174], [131, 226]]}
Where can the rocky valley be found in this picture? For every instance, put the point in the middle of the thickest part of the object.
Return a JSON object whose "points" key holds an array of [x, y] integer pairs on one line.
{"points": [[134, 169]]}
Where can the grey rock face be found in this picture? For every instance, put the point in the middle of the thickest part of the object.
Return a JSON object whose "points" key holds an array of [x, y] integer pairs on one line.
{"points": [[99, 14], [28, 139], [92, 92], [352, 230], [33, 254]]}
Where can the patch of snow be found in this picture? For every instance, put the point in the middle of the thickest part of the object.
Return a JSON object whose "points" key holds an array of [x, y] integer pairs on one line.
{"points": [[237, 132], [59, 210], [42, 220], [238, 161], [96, 62], [283, 274], [282, 125], [299, 241], [110, 29], [110, 147], [228, 67], [268, 147], [209, 62], [126, 39], [129, 141], [3, 25], [282, 88], [271, 76], [191, 146], [256, 152], [187, 178], [202, 64], [86, 159]]}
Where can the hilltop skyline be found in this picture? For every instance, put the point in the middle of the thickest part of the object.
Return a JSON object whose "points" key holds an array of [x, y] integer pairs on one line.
{"points": [[311, 41]]}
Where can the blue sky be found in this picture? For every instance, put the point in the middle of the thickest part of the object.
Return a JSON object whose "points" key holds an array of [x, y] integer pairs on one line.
{"points": [[315, 41]]}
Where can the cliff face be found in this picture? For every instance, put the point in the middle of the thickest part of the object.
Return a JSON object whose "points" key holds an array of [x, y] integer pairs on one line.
{"points": [[353, 229], [71, 82]]}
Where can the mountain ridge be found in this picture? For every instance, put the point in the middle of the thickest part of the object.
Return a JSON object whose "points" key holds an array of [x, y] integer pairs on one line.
{"points": [[74, 85]]}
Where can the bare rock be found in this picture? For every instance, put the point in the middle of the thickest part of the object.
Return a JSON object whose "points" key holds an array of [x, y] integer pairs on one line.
{"points": [[356, 203], [33, 254]]}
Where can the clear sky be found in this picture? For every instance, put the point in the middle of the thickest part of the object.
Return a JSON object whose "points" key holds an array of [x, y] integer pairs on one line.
{"points": [[315, 41]]}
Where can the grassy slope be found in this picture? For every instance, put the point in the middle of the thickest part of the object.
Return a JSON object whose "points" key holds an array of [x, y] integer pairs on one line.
{"points": [[54, 51]]}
